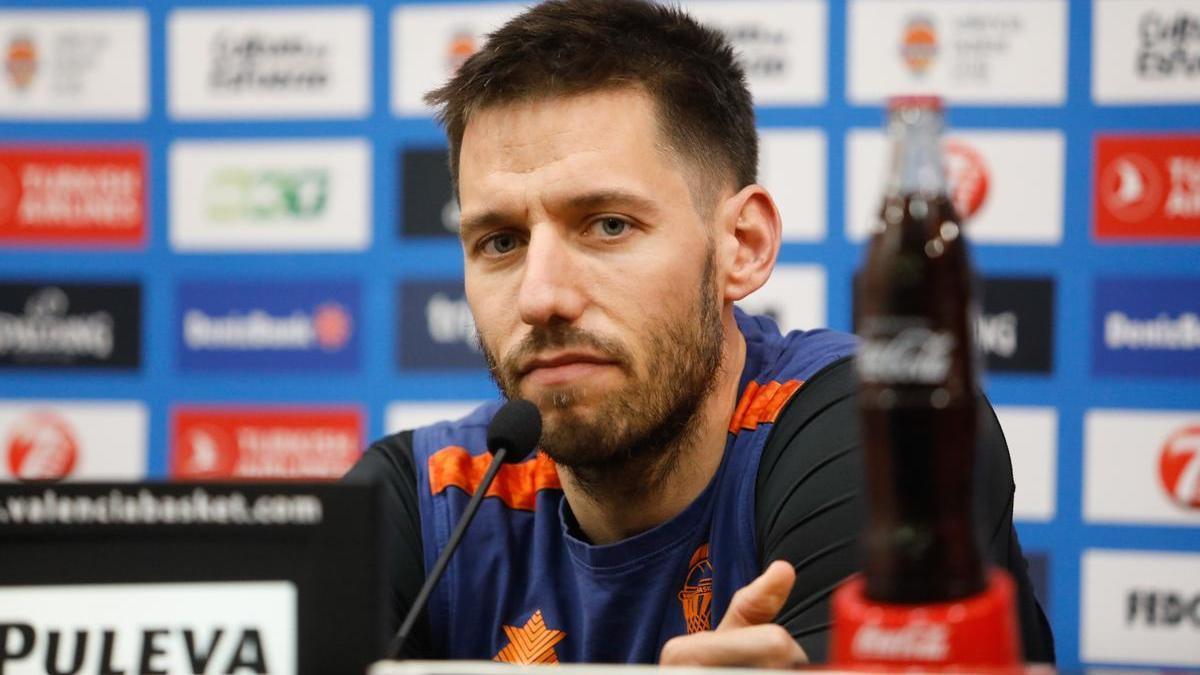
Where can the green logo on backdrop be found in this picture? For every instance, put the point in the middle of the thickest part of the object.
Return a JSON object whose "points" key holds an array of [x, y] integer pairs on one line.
{"points": [[266, 195]]}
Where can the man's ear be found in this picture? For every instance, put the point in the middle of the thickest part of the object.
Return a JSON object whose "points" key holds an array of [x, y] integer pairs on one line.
{"points": [[751, 242]]}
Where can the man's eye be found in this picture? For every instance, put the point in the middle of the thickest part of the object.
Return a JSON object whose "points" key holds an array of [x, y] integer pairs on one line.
{"points": [[612, 227], [500, 244]]}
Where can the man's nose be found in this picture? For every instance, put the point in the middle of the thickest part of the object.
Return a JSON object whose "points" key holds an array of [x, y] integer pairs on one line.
{"points": [[550, 284]]}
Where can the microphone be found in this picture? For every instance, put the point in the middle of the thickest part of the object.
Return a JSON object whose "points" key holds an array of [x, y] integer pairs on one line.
{"points": [[512, 434]]}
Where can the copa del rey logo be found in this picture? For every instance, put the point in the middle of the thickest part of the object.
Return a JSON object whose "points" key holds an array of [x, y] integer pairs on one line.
{"points": [[42, 446], [265, 442], [1148, 187], [1179, 467]]}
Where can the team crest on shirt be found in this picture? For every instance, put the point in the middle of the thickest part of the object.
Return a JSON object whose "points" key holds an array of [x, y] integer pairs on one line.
{"points": [[530, 644], [696, 596]]}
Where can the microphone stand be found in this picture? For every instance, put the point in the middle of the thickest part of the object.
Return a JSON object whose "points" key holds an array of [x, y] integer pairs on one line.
{"points": [[397, 643]]}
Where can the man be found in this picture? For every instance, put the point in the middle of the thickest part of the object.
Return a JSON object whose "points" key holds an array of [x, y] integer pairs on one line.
{"points": [[604, 153]]}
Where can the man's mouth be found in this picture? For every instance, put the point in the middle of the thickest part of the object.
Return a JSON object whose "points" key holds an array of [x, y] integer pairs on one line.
{"points": [[563, 367]]}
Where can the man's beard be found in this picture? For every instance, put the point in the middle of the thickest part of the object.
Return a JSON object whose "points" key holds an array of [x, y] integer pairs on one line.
{"points": [[633, 438]]}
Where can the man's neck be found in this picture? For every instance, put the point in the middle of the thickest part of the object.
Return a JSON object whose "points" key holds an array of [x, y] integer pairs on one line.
{"points": [[638, 498]]}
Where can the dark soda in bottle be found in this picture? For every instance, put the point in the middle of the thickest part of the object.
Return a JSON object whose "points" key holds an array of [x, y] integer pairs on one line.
{"points": [[918, 374]]}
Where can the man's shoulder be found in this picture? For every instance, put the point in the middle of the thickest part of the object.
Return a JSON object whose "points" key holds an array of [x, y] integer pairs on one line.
{"points": [[796, 355], [468, 432]]}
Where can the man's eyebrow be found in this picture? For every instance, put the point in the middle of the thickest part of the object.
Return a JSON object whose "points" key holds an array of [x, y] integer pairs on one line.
{"points": [[483, 221], [610, 198]]}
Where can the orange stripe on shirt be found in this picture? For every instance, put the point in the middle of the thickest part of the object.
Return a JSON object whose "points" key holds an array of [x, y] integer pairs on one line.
{"points": [[762, 403], [516, 485]]}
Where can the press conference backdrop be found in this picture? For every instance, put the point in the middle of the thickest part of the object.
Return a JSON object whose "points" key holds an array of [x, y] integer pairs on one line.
{"points": [[227, 246]]}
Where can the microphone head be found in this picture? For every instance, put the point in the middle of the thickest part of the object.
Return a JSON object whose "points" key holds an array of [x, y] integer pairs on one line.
{"points": [[516, 427]]}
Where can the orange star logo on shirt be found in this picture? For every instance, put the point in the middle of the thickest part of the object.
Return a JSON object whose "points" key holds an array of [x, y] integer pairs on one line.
{"points": [[530, 644]]}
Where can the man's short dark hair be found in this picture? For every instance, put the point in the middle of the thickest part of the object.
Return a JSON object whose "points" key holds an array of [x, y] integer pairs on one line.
{"points": [[567, 47]]}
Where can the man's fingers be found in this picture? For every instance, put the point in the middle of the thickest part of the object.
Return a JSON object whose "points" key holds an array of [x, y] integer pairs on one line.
{"points": [[760, 600], [763, 646]]}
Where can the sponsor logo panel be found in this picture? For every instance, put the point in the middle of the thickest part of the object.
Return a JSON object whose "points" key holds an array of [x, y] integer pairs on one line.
{"points": [[269, 63], [1015, 328], [1146, 326], [430, 42], [791, 164], [72, 440], [1004, 52], [299, 195], [264, 442], [268, 326], [1142, 467], [794, 296], [1145, 52], [1002, 197], [1140, 607], [437, 330], [780, 43], [1032, 435], [72, 196], [429, 208], [230, 626], [403, 415], [66, 325], [1147, 187], [74, 64]]}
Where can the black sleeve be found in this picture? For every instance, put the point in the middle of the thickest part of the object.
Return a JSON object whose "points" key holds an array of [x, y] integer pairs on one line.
{"points": [[389, 462], [810, 508]]}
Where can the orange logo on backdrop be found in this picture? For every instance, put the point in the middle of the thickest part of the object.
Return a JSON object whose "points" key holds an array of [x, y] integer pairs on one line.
{"points": [[919, 45], [696, 596], [21, 63], [530, 644]]}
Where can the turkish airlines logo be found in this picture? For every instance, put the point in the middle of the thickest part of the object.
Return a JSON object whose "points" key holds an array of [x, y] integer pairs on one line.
{"points": [[1148, 187], [1179, 467], [72, 196], [42, 446], [968, 175], [1131, 188], [265, 443]]}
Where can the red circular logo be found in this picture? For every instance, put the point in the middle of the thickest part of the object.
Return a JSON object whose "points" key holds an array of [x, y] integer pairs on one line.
{"points": [[968, 175], [42, 446], [1179, 467], [1131, 188]]}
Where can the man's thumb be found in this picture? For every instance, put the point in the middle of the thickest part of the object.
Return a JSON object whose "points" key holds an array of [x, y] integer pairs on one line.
{"points": [[760, 600]]}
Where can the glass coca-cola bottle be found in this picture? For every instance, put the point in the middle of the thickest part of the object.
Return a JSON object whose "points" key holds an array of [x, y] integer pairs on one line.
{"points": [[918, 372]]}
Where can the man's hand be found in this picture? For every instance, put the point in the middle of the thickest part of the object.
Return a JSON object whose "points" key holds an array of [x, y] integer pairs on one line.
{"points": [[746, 636]]}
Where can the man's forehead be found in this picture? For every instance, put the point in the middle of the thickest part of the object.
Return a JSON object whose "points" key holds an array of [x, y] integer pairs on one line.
{"points": [[546, 121]]}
